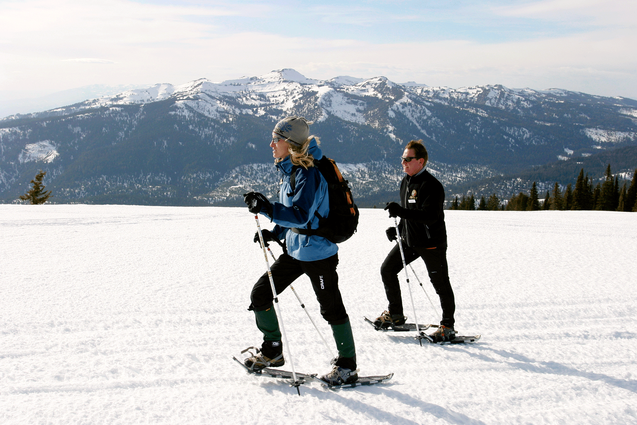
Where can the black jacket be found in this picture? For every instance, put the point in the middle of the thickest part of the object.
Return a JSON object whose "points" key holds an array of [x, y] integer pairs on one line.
{"points": [[422, 223]]}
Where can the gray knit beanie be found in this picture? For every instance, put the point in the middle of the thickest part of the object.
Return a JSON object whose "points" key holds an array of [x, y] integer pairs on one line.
{"points": [[293, 129]]}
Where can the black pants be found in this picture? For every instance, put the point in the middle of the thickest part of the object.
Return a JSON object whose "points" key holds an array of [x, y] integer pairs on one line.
{"points": [[436, 262], [322, 274]]}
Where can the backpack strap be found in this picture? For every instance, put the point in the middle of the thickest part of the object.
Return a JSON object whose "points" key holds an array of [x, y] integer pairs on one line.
{"points": [[309, 231]]}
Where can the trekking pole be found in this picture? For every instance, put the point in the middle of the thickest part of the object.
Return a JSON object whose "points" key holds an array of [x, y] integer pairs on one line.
{"points": [[296, 383], [421, 335], [423, 289], [304, 309]]}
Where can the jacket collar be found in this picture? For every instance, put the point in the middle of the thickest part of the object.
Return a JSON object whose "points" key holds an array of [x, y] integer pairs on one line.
{"points": [[286, 165], [418, 176]]}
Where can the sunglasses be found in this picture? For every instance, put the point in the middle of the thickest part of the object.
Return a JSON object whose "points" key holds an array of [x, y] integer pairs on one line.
{"points": [[407, 158], [278, 137]]}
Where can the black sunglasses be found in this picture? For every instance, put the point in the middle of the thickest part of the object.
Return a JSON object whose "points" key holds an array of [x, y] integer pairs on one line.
{"points": [[407, 158]]}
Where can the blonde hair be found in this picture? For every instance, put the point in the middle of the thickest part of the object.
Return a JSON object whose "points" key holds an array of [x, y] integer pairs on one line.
{"points": [[299, 155]]}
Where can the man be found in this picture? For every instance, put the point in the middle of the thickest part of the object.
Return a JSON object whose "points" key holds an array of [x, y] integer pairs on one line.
{"points": [[294, 150], [423, 234]]}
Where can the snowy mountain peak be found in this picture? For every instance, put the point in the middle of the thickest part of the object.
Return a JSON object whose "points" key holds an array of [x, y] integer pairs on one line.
{"points": [[346, 80], [281, 88], [287, 74], [413, 84], [135, 96]]}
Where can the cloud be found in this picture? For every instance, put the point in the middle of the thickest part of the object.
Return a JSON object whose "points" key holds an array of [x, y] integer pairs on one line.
{"points": [[89, 60], [581, 12], [76, 22], [539, 44]]}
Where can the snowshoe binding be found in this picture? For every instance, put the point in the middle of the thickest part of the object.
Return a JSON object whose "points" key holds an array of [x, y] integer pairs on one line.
{"points": [[443, 334], [387, 320], [270, 355]]}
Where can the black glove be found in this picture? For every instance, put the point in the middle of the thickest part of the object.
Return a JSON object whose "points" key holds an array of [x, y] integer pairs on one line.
{"points": [[391, 234], [257, 202], [395, 210], [267, 236]]}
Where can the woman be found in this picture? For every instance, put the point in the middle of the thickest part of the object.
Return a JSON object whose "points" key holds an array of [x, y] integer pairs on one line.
{"points": [[295, 150]]}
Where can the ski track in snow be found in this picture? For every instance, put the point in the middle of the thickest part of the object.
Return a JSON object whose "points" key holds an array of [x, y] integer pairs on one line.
{"points": [[129, 314]]}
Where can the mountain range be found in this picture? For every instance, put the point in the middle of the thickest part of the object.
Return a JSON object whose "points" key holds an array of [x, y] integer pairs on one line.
{"points": [[206, 143]]}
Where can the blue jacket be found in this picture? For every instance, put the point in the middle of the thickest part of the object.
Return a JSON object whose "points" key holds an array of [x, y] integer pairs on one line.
{"points": [[296, 209]]}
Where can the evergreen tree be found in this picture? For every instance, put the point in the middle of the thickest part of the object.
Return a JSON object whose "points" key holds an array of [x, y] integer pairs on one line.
{"points": [[454, 203], [581, 194], [482, 205], [568, 197], [472, 203], [606, 200], [631, 194], [524, 202], [468, 203], [493, 204], [607, 195], [510, 206], [557, 202], [616, 194], [463, 203], [518, 202], [534, 200], [37, 195], [622, 199], [596, 195]]}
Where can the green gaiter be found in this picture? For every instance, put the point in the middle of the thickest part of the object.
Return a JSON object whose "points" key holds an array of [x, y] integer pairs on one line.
{"points": [[268, 323], [344, 340]]}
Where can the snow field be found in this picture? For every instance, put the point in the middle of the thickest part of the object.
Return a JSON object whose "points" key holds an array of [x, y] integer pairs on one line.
{"points": [[127, 314]]}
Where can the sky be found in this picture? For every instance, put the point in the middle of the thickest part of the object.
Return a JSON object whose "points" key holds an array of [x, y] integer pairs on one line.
{"points": [[581, 45]]}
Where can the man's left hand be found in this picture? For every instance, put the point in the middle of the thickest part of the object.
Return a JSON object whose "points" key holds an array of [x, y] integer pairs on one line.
{"points": [[394, 209]]}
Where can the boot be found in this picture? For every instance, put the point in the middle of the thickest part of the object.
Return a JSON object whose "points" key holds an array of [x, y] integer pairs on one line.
{"points": [[386, 320], [340, 375], [270, 355], [443, 334]]}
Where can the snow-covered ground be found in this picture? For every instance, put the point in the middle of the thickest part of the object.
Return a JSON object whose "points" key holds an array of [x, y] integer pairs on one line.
{"points": [[128, 315]]}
